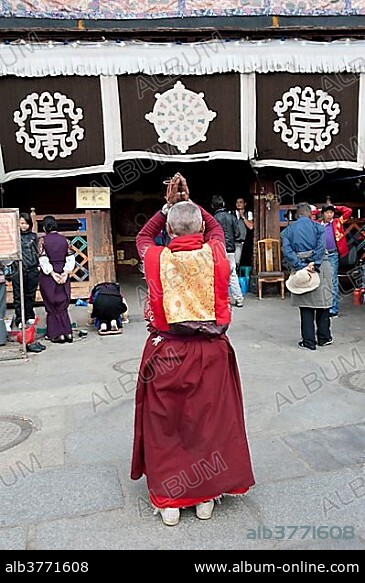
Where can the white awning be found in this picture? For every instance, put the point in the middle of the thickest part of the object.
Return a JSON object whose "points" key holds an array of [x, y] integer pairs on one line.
{"points": [[27, 59]]}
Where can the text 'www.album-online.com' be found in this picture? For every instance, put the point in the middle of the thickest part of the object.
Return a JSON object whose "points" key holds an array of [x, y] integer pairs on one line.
{"points": [[299, 567]]}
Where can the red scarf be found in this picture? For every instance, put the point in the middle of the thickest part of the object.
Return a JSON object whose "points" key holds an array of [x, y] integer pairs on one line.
{"points": [[186, 243]]}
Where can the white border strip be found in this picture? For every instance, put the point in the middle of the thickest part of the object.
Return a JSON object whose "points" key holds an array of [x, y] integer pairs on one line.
{"points": [[112, 119], [216, 155], [307, 165], [13, 175], [361, 122], [248, 115], [2, 169]]}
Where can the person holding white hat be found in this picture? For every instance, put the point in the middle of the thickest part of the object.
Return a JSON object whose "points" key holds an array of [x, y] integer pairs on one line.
{"points": [[310, 285], [303, 281]]}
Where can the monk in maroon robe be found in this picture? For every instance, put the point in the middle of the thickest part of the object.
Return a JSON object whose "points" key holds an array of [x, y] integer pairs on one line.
{"points": [[190, 439]]}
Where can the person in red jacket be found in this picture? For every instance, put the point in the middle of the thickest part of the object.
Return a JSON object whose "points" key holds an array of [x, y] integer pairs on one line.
{"points": [[336, 244]]}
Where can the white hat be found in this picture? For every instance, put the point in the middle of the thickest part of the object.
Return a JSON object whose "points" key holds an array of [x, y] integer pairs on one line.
{"points": [[302, 281], [313, 207]]}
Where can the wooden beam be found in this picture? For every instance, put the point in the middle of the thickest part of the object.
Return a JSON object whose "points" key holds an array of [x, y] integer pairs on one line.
{"points": [[186, 29]]}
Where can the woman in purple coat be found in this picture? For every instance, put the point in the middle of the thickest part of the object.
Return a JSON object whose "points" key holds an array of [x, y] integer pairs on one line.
{"points": [[57, 262]]}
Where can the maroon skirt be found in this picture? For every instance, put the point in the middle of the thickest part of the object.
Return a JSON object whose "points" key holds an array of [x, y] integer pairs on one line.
{"points": [[189, 435]]}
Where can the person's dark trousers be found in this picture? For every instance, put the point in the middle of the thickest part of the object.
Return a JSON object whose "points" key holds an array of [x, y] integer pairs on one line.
{"points": [[307, 326], [323, 325], [3, 333], [107, 308], [30, 278], [333, 258]]}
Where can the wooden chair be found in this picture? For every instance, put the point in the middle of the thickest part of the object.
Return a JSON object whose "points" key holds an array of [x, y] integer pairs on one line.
{"points": [[269, 264]]}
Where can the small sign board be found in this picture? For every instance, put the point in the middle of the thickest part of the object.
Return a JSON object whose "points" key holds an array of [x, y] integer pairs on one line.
{"points": [[93, 197], [9, 234]]}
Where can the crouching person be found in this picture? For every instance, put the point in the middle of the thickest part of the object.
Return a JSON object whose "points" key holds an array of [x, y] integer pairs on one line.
{"points": [[108, 306]]}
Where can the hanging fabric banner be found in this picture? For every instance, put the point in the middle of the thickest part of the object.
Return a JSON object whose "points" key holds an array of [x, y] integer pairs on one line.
{"points": [[185, 118], [308, 121], [51, 127], [66, 126]]}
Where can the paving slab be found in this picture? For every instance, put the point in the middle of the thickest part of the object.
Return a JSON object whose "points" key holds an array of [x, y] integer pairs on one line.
{"points": [[331, 448], [68, 485], [325, 498], [272, 460], [13, 539], [48, 494]]}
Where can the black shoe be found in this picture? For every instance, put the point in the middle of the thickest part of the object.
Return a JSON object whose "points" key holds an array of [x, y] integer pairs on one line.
{"points": [[332, 315], [34, 348], [302, 345], [58, 340], [41, 346], [69, 338], [326, 343]]}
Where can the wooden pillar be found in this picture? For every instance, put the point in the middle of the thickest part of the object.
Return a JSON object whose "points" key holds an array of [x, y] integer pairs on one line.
{"points": [[272, 227], [100, 247], [259, 222], [266, 215], [270, 209]]}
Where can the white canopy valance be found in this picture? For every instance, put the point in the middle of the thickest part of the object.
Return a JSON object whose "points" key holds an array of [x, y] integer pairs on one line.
{"points": [[29, 59]]}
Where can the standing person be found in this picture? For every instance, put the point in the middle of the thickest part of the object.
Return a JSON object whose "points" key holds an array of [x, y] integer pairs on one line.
{"points": [[29, 244], [245, 221], [314, 212], [304, 249], [232, 235], [336, 245], [189, 433], [57, 261], [3, 332]]}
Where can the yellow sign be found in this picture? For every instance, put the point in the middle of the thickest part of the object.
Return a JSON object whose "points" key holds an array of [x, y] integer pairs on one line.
{"points": [[93, 197], [9, 234]]}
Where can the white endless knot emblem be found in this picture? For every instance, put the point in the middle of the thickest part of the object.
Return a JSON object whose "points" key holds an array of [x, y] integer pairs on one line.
{"points": [[306, 119], [48, 125], [180, 117]]}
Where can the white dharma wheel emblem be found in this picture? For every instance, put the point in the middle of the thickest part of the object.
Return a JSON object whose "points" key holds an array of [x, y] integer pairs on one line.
{"points": [[306, 119], [48, 125], [180, 117]]}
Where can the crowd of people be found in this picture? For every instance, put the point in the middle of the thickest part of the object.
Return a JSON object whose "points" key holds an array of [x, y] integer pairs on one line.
{"points": [[188, 405], [315, 242], [312, 246], [310, 283], [190, 440], [47, 262]]}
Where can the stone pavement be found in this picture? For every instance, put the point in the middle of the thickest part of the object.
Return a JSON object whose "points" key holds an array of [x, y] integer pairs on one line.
{"points": [[67, 486]]}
